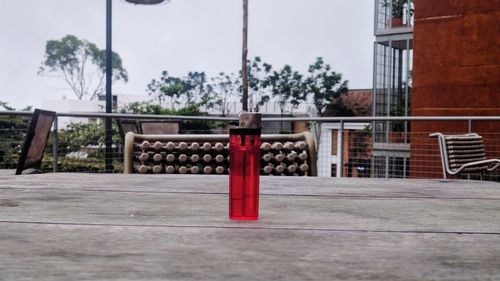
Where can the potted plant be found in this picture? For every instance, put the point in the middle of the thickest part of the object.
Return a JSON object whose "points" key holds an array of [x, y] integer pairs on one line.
{"points": [[399, 9]]}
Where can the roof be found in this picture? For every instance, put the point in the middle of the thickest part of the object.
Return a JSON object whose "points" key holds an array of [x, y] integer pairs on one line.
{"points": [[356, 103]]}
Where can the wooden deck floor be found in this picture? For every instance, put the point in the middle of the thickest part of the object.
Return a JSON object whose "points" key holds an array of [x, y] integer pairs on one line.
{"points": [[158, 227]]}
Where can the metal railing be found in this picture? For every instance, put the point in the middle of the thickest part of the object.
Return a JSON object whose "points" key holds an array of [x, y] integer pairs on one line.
{"points": [[359, 150]]}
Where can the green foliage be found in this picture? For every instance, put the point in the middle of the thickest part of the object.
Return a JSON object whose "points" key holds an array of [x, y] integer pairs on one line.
{"points": [[12, 132], [258, 73], [191, 126], [81, 64], [189, 90], [145, 108], [84, 138], [78, 136], [166, 86], [223, 88], [287, 86], [325, 85], [156, 109], [196, 88]]}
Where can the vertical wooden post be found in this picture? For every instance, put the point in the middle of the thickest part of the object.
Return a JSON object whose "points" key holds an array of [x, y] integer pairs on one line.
{"points": [[244, 69]]}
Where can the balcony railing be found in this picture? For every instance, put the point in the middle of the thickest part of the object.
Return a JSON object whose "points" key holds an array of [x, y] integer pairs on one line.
{"points": [[394, 16], [347, 146]]}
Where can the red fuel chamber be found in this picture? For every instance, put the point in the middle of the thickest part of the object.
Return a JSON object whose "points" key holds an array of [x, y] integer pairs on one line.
{"points": [[244, 150]]}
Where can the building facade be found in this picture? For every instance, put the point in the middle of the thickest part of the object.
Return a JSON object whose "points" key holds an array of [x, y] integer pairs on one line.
{"points": [[432, 58], [456, 72], [392, 86]]}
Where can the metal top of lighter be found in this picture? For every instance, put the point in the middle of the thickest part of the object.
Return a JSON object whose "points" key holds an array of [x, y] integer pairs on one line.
{"points": [[249, 124], [250, 120]]}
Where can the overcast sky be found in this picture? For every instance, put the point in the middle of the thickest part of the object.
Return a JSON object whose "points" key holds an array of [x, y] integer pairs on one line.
{"points": [[185, 35]]}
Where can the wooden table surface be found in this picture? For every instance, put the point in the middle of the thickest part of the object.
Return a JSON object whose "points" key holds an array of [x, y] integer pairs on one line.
{"points": [[173, 227]]}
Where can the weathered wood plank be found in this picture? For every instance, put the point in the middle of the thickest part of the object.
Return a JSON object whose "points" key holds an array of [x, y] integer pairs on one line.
{"points": [[341, 187], [277, 211], [54, 252]]}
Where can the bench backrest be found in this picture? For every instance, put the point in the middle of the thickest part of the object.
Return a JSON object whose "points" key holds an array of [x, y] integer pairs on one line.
{"points": [[159, 127], [282, 154]]}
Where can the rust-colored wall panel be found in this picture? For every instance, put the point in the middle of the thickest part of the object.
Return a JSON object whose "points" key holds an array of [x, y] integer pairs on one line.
{"points": [[477, 6], [425, 8], [443, 8], [457, 59], [456, 71], [480, 33]]}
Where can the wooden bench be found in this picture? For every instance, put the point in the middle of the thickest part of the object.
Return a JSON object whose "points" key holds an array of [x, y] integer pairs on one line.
{"points": [[464, 154], [281, 155]]}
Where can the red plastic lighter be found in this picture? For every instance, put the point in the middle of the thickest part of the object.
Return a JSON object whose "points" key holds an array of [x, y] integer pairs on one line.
{"points": [[244, 149]]}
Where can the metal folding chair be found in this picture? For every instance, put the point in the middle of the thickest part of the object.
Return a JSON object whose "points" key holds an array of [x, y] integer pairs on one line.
{"points": [[464, 154]]}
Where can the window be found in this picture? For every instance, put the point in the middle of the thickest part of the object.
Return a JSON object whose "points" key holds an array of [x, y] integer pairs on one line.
{"points": [[335, 140]]}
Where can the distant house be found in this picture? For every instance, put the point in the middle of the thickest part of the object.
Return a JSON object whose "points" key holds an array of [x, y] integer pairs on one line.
{"points": [[352, 158], [353, 103]]}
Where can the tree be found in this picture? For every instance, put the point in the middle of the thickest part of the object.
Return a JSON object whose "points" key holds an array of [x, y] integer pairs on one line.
{"points": [[325, 86], [224, 88], [287, 87], [189, 90], [196, 88], [258, 71], [81, 64], [167, 86]]}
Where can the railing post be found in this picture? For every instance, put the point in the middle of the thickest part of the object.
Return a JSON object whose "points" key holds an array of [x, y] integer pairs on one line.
{"points": [[470, 126], [109, 99], [55, 144], [341, 145]]}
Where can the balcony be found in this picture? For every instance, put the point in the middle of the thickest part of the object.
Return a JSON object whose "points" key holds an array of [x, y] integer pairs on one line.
{"points": [[394, 16]]}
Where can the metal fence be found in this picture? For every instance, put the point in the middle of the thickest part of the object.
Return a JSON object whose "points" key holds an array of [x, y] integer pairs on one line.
{"points": [[347, 146]]}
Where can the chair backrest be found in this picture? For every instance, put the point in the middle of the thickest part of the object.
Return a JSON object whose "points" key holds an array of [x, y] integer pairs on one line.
{"points": [[127, 125], [159, 127], [461, 153], [35, 141], [463, 149]]}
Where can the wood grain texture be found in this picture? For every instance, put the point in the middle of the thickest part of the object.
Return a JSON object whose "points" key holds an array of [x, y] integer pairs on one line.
{"points": [[175, 227]]}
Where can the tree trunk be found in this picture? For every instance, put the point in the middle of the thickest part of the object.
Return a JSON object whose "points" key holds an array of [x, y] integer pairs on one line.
{"points": [[244, 70]]}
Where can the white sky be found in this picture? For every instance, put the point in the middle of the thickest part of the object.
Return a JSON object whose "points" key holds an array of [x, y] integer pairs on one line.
{"points": [[185, 35]]}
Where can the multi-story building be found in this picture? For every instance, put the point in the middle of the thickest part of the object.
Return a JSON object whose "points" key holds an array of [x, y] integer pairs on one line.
{"points": [[432, 58], [392, 86]]}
